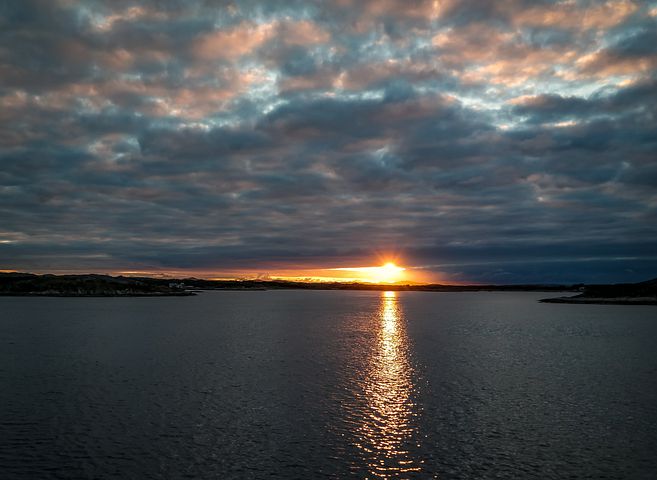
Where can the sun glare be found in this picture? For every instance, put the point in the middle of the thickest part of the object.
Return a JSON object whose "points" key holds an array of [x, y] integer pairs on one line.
{"points": [[388, 273]]}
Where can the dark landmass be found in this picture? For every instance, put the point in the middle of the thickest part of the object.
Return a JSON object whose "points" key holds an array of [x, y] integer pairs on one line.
{"points": [[284, 284], [27, 284], [22, 284], [642, 293]]}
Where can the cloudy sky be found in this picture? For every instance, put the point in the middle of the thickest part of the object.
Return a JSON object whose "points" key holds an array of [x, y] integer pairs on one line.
{"points": [[509, 141]]}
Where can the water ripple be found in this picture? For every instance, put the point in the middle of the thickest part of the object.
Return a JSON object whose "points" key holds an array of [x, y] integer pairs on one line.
{"points": [[386, 423]]}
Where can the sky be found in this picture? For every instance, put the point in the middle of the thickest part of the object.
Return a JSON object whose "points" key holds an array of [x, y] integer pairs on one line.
{"points": [[509, 141]]}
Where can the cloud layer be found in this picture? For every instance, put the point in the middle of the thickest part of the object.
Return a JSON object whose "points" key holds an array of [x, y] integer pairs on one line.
{"points": [[511, 142]]}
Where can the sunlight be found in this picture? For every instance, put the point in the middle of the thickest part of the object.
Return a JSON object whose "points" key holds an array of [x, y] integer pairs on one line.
{"points": [[387, 273], [388, 428]]}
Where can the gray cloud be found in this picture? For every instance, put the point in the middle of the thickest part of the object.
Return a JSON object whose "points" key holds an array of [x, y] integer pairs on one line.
{"points": [[481, 144]]}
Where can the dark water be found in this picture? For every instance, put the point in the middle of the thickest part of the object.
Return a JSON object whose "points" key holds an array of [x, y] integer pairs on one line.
{"points": [[302, 384]]}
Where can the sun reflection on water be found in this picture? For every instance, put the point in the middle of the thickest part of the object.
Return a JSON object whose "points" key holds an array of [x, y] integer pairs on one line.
{"points": [[387, 428]]}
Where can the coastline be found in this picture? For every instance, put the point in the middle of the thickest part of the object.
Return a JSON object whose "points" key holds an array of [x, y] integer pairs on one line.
{"points": [[602, 301], [98, 295], [18, 284]]}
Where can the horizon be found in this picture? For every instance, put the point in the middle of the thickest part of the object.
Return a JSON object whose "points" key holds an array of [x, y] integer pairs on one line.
{"points": [[303, 280], [506, 143]]}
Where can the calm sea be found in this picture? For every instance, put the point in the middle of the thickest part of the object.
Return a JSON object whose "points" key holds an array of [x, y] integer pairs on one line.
{"points": [[326, 384]]}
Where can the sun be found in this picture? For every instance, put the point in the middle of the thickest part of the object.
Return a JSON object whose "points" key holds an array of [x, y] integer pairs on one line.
{"points": [[388, 273]]}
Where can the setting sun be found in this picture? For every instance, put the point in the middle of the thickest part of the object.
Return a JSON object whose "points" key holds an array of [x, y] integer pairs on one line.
{"points": [[387, 273]]}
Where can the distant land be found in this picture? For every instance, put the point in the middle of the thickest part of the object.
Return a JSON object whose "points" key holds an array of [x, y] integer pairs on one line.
{"points": [[95, 285], [22, 284], [28, 284], [642, 293]]}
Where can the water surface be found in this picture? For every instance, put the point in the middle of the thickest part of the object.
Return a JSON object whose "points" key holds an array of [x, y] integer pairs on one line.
{"points": [[326, 384]]}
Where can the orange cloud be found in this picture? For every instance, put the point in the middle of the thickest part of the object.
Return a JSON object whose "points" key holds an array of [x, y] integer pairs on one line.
{"points": [[604, 63], [234, 42], [303, 32], [247, 37], [568, 14], [399, 8], [499, 57]]}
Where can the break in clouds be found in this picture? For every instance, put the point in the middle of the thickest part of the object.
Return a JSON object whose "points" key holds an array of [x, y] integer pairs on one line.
{"points": [[508, 141]]}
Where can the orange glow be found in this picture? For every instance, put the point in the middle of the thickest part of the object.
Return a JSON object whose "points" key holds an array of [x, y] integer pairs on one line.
{"points": [[387, 273]]}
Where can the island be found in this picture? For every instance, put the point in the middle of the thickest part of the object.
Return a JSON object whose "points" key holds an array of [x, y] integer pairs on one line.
{"points": [[642, 293]]}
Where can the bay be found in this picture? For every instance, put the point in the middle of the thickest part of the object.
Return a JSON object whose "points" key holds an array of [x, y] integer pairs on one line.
{"points": [[326, 384]]}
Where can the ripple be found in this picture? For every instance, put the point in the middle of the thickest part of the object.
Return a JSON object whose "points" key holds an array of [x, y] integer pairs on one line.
{"points": [[387, 418]]}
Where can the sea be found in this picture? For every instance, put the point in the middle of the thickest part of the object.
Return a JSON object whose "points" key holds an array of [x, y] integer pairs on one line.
{"points": [[299, 384]]}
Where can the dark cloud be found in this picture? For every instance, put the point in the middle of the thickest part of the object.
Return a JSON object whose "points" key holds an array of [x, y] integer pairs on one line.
{"points": [[506, 142]]}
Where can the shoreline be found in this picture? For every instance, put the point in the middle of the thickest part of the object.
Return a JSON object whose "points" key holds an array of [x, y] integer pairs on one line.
{"points": [[16, 284], [601, 301], [98, 295]]}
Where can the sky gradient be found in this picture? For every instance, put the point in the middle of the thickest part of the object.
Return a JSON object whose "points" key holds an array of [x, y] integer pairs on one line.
{"points": [[507, 142]]}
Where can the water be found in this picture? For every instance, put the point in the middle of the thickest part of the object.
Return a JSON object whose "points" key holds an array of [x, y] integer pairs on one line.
{"points": [[311, 384]]}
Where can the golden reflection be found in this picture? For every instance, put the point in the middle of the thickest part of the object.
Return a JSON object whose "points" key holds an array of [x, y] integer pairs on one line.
{"points": [[388, 426]]}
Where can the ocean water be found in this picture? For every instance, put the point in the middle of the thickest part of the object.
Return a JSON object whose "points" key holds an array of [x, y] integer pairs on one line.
{"points": [[326, 384]]}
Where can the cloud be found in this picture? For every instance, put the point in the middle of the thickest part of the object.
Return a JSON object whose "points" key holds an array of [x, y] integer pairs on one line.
{"points": [[632, 55], [574, 15], [512, 141], [233, 42]]}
